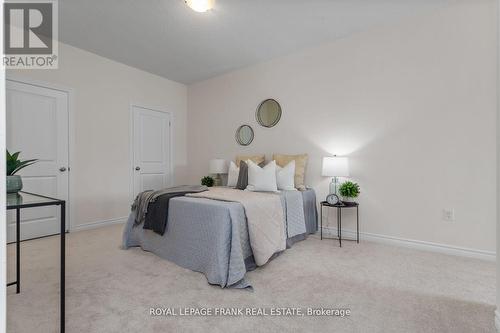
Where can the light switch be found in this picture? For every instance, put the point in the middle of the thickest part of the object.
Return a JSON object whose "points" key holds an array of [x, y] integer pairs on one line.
{"points": [[449, 214]]}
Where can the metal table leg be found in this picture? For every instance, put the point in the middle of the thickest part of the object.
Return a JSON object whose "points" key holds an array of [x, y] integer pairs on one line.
{"points": [[337, 211], [18, 250], [339, 219], [340, 229], [63, 265], [321, 220], [18, 253], [357, 224]]}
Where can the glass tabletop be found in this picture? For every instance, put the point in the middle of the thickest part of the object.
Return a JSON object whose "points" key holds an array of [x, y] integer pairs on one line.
{"points": [[26, 199]]}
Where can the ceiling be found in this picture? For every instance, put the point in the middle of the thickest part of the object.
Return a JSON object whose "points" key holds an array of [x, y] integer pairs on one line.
{"points": [[167, 38]]}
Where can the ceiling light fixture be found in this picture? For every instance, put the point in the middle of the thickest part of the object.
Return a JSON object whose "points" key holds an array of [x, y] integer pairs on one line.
{"points": [[200, 6]]}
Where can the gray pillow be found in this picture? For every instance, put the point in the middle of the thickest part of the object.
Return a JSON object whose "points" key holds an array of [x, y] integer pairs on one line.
{"points": [[243, 175], [242, 182]]}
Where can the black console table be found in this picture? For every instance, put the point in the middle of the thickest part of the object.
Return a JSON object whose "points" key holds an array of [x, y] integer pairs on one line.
{"points": [[22, 200]]}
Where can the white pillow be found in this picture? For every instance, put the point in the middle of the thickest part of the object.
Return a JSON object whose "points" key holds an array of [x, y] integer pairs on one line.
{"points": [[262, 179], [285, 177], [232, 176]]}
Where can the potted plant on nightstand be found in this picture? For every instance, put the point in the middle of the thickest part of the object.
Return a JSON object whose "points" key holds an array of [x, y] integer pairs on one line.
{"points": [[14, 164], [207, 181], [349, 192]]}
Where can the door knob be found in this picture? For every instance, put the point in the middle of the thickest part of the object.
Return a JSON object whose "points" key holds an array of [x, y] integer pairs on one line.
{"points": [[62, 169], [137, 168]]}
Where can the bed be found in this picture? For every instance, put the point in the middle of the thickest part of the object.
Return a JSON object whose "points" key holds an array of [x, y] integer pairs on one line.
{"points": [[212, 236]]}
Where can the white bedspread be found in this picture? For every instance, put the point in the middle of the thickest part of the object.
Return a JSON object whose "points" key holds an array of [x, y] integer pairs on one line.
{"points": [[264, 212]]}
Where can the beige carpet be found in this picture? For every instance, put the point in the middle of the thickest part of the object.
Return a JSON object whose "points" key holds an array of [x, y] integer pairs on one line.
{"points": [[388, 289]]}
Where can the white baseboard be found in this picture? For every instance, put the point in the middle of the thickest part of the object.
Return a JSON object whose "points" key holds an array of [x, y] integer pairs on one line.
{"points": [[497, 320], [328, 231], [415, 244], [99, 224]]}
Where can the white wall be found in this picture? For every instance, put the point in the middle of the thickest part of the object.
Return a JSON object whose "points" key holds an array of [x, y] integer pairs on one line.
{"points": [[412, 105], [497, 311], [104, 90], [3, 190]]}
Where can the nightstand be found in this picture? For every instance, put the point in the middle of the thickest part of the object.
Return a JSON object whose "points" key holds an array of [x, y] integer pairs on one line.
{"points": [[339, 218]]}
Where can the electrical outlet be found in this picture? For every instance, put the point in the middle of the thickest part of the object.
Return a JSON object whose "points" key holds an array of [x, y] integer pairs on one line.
{"points": [[449, 214]]}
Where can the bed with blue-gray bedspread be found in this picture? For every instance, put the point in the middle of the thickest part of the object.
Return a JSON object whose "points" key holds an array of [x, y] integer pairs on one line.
{"points": [[211, 236]]}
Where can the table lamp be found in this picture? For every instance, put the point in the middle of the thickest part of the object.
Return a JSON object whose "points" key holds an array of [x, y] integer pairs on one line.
{"points": [[335, 167], [218, 166]]}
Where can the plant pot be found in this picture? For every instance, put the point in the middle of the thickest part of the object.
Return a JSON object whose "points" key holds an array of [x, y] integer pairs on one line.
{"points": [[348, 199], [14, 184]]}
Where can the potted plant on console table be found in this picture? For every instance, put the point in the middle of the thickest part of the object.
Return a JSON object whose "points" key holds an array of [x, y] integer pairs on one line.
{"points": [[14, 164], [349, 192]]}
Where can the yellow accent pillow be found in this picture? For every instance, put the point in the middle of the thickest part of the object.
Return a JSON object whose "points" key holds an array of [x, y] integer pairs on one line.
{"points": [[300, 167], [257, 159]]}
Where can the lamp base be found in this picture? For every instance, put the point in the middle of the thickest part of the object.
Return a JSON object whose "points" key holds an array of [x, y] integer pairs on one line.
{"points": [[217, 180], [333, 186]]}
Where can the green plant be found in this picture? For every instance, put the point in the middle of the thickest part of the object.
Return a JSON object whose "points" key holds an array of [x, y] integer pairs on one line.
{"points": [[349, 189], [207, 181], [14, 164]]}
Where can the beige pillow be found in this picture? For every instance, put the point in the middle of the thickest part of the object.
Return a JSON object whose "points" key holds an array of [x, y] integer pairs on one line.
{"points": [[300, 167], [257, 159]]}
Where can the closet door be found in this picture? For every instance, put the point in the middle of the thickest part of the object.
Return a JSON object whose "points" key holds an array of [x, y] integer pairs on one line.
{"points": [[37, 126], [151, 149]]}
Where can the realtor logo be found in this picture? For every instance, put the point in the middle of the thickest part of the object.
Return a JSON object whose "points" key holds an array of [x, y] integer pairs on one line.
{"points": [[30, 34]]}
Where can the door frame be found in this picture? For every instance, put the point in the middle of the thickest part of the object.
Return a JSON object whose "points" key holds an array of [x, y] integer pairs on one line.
{"points": [[131, 144], [70, 214]]}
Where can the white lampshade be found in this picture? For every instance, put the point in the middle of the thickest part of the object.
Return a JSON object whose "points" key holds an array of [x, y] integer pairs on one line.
{"points": [[218, 166], [335, 167]]}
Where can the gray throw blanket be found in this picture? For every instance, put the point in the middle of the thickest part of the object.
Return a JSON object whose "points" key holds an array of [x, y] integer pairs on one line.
{"points": [[156, 203]]}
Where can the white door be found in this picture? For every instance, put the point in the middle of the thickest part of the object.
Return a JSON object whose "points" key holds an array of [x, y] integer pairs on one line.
{"points": [[37, 126], [151, 149]]}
